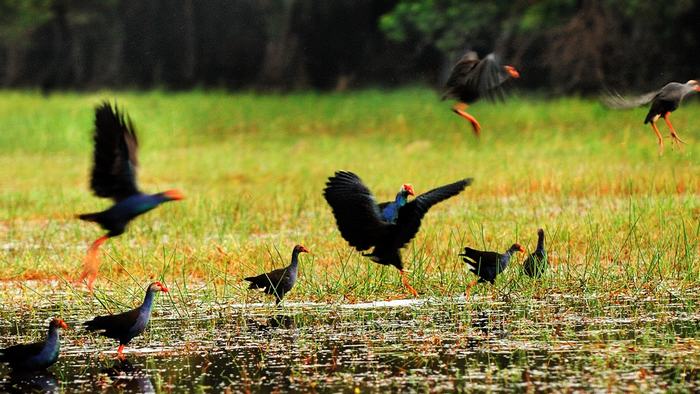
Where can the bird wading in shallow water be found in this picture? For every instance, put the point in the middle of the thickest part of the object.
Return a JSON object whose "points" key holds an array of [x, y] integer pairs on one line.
{"points": [[114, 176], [472, 79], [487, 265], [125, 326], [386, 227], [38, 355], [536, 263], [280, 281], [663, 102]]}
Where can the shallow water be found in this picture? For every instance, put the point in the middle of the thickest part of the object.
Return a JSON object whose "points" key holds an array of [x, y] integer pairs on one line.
{"points": [[559, 343]]}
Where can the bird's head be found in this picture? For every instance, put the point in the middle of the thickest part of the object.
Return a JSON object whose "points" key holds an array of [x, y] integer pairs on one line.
{"points": [[157, 286], [407, 190], [540, 232], [173, 195], [694, 84], [57, 322], [301, 249], [512, 71], [517, 248]]}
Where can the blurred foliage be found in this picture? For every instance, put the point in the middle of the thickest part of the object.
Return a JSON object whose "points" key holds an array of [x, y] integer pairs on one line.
{"points": [[561, 46]]}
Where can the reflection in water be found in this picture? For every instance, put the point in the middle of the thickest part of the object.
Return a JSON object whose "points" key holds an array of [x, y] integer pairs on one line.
{"points": [[28, 382], [125, 377], [571, 345]]}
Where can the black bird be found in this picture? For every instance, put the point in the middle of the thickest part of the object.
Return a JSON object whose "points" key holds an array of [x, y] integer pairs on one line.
{"points": [[663, 102], [472, 79], [114, 176], [387, 227], [280, 281], [38, 355], [536, 263], [125, 326], [487, 265]]}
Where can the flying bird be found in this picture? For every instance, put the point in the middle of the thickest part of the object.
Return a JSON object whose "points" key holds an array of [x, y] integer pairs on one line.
{"points": [[125, 326], [473, 78], [114, 177], [487, 265], [280, 281], [663, 102], [38, 355], [386, 227], [536, 263]]}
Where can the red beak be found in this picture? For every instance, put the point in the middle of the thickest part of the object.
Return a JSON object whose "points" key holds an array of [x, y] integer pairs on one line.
{"points": [[303, 249], [512, 71], [174, 195]]}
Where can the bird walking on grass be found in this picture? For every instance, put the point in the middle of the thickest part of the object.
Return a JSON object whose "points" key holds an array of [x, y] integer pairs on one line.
{"points": [[38, 355], [280, 281], [114, 177], [473, 78], [125, 326], [536, 263], [386, 227], [487, 265], [663, 102]]}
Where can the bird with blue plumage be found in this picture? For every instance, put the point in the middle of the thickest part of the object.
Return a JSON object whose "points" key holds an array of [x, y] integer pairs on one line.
{"points": [[115, 164]]}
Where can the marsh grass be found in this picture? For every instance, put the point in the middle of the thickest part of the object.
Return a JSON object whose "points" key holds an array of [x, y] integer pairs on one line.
{"points": [[618, 217]]}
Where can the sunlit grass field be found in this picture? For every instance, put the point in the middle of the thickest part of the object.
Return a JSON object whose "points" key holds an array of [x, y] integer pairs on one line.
{"points": [[619, 218]]}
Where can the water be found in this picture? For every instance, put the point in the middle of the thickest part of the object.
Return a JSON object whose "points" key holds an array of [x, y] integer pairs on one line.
{"points": [[560, 343]]}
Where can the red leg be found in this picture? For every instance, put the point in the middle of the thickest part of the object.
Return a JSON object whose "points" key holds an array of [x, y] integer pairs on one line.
{"points": [[675, 137], [658, 135], [92, 262], [404, 280], [120, 354], [459, 110], [469, 288]]}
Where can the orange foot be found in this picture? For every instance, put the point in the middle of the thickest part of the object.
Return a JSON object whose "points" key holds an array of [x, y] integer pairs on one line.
{"points": [[408, 286]]}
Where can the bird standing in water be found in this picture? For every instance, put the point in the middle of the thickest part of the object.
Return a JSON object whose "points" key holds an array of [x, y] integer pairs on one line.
{"points": [[386, 227], [280, 281], [487, 265], [114, 176], [38, 355], [663, 102], [473, 78], [125, 326]]}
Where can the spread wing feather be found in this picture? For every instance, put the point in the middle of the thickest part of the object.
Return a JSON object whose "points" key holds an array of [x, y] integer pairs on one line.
{"points": [[411, 214], [355, 210], [115, 156]]}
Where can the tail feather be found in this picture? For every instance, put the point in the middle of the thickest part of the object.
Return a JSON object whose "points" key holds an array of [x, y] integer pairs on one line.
{"points": [[89, 217], [256, 282]]}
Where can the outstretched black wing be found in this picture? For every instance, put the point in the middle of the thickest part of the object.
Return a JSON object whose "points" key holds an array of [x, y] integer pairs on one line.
{"points": [[480, 78], [115, 161], [355, 210], [411, 214]]}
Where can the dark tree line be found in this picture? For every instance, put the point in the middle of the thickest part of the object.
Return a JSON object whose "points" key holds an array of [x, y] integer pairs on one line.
{"points": [[559, 45]]}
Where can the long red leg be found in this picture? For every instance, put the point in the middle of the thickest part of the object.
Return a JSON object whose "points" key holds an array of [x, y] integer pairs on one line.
{"points": [[459, 109], [658, 135], [674, 135], [92, 262], [408, 286]]}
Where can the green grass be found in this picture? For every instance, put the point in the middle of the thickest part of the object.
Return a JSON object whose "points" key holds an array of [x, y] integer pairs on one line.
{"points": [[619, 218]]}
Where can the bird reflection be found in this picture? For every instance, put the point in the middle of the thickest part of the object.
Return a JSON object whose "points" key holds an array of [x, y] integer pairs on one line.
{"points": [[30, 382], [126, 377]]}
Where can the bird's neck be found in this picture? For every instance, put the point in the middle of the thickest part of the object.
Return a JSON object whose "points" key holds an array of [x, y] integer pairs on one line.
{"points": [[540, 242], [400, 200], [148, 301], [52, 338], [505, 259], [295, 260]]}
